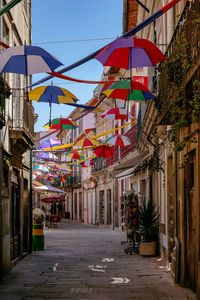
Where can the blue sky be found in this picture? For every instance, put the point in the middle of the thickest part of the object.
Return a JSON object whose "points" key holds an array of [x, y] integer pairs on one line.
{"points": [[70, 20]]}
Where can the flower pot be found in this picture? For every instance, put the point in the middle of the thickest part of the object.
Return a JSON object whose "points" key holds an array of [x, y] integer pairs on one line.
{"points": [[148, 249]]}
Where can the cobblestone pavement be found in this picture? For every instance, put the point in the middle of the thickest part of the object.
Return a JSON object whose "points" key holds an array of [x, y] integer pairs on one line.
{"points": [[88, 262]]}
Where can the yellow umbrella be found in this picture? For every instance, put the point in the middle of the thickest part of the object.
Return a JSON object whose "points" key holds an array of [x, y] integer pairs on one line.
{"points": [[86, 142]]}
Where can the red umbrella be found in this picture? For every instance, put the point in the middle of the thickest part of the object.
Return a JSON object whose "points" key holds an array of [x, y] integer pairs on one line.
{"points": [[130, 53], [104, 151], [116, 113]]}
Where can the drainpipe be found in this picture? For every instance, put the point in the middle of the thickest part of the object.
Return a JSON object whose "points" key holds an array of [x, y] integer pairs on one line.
{"points": [[113, 206], [177, 242], [1, 177], [31, 152]]}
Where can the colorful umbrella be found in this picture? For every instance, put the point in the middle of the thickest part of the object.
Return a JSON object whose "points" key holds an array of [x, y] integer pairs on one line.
{"points": [[118, 140], [75, 155], [86, 142], [49, 143], [37, 173], [130, 53], [52, 175], [68, 175], [48, 155], [42, 168], [116, 113], [65, 168], [104, 151], [61, 124], [27, 60], [87, 163], [129, 90], [62, 180], [52, 94]]}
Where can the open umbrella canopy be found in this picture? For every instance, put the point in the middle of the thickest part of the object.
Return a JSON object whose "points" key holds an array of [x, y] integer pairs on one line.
{"points": [[87, 163], [130, 53], [86, 142], [48, 155], [75, 155], [64, 168], [118, 140], [104, 151], [116, 113], [27, 60], [49, 143], [52, 94], [53, 199], [61, 124], [42, 168], [129, 90]]}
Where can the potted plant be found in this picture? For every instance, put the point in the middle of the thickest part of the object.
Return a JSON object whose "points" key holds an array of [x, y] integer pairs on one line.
{"points": [[148, 219]]}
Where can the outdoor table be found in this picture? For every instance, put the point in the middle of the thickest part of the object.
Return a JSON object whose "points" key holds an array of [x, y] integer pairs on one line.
{"points": [[55, 219]]}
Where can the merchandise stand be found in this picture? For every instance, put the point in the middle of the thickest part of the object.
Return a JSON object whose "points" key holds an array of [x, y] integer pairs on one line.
{"points": [[129, 213]]}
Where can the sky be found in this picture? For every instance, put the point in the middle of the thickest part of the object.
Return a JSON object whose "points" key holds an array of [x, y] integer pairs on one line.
{"points": [[57, 26]]}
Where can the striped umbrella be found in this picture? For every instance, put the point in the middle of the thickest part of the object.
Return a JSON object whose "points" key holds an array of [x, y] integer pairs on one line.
{"points": [[118, 140]]}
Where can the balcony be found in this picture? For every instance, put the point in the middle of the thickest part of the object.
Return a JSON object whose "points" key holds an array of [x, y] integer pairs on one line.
{"points": [[120, 152], [22, 123], [2, 117], [100, 164], [74, 182]]}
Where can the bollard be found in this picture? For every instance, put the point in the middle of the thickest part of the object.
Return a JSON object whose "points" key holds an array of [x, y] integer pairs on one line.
{"points": [[38, 237]]}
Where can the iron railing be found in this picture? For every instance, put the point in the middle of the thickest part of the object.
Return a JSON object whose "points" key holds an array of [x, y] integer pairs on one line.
{"points": [[22, 112]]}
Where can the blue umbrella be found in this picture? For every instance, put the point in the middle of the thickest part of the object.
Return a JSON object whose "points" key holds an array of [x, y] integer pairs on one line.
{"points": [[27, 60]]}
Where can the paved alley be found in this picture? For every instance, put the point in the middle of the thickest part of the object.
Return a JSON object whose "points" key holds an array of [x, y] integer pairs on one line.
{"points": [[88, 262]]}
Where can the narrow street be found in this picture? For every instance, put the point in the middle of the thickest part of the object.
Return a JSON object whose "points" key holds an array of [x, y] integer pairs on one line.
{"points": [[88, 262]]}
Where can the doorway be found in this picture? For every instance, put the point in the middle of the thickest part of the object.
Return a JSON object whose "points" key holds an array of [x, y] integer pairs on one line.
{"points": [[190, 224], [101, 207], [108, 206], [15, 239]]}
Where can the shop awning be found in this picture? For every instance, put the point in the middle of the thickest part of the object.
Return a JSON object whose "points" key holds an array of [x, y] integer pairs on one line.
{"points": [[48, 188], [128, 168], [53, 199]]}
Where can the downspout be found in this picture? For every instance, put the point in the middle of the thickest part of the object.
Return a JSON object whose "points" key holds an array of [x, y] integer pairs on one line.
{"points": [[177, 242], [31, 152], [1, 176], [113, 198]]}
